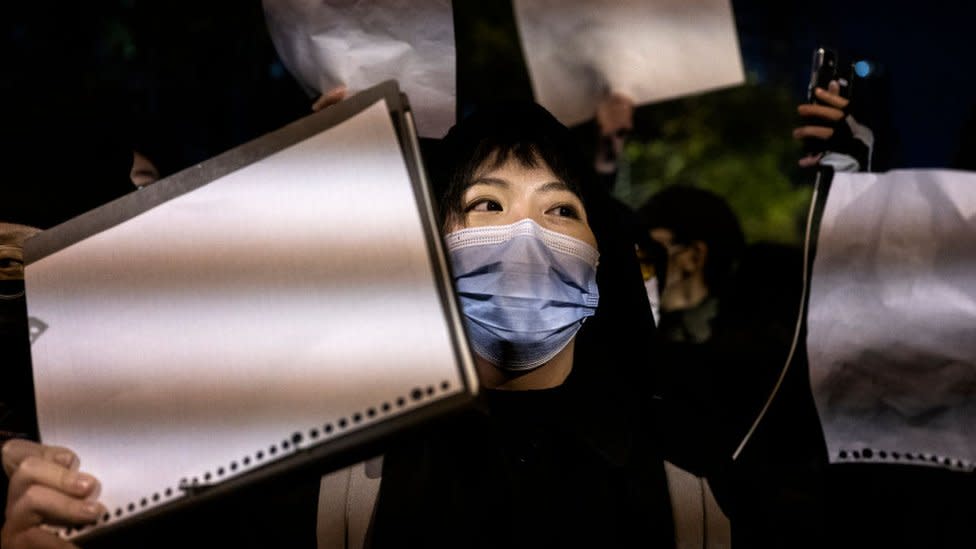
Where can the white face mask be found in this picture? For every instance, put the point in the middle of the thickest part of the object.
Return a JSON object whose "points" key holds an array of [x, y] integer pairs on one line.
{"points": [[654, 297]]}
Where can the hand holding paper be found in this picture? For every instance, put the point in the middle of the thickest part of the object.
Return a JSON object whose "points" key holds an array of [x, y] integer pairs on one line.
{"points": [[329, 98], [332, 43], [254, 337], [46, 488], [576, 50], [615, 114]]}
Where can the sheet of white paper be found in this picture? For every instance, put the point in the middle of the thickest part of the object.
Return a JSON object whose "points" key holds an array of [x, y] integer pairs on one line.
{"points": [[188, 342], [651, 50], [892, 318], [327, 43]]}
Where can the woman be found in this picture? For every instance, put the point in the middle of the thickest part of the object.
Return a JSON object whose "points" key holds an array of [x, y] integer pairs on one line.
{"points": [[562, 451], [562, 454]]}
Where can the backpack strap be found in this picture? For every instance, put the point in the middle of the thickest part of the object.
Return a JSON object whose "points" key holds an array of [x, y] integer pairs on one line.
{"points": [[347, 498], [699, 523]]}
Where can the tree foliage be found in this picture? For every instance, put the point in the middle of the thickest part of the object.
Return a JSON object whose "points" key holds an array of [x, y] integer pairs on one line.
{"points": [[735, 142]]}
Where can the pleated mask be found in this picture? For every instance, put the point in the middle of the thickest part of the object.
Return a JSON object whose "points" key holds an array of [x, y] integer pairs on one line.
{"points": [[525, 290]]}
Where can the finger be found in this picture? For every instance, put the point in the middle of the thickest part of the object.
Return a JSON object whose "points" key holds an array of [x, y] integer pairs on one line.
{"points": [[833, 87], [45, 505], [817, 132], [623, 99], [36, 470], [36, 538], [810, 160], [330, 98], [320, 103], [832, 99], [17, 450], [821, 111]]}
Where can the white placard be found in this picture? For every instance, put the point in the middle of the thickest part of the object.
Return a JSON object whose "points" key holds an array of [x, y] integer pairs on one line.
{"points": [[327, 43], [193, 341], [577, 51], [892, 318]]}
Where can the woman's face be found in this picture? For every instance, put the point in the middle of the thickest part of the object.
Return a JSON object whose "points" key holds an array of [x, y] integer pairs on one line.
{"points": [[513, 192]]}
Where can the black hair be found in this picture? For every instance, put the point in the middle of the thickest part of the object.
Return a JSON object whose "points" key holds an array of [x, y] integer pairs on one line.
{"points": [[59, 166], [530, 134], [496, 134], [695, 214]]}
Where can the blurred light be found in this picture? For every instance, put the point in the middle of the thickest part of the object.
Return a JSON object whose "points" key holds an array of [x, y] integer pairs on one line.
{"points": [[863, 68]]}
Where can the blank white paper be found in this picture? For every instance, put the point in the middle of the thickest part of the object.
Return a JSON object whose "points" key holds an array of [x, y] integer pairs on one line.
{"points": [[327, 43], [187, 341], [577, 51], [892, 318]]}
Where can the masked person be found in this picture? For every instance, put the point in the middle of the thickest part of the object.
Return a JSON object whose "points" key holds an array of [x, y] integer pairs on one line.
{"points": [[16, 399], [703, 240], [561, 450], [563, 456], [17, 419]]}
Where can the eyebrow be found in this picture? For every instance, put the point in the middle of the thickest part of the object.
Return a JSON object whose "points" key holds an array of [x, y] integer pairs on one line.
{"points": [[551, 186], [492, 181]]}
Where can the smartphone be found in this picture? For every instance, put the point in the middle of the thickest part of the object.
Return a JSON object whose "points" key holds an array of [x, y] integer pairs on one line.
{"points": [[826, 67]]}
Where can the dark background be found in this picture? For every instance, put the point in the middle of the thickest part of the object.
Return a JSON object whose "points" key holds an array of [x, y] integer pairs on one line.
{"points": [[190, 79], [84, 83]]}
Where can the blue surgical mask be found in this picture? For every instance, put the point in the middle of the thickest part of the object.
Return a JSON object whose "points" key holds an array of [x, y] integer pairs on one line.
{"points": [[525, 290]]}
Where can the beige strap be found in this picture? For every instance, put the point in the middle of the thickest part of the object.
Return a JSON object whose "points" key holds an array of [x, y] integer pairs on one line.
{"points": [[330, 528], [698, 521], [346, 501], [364, 488]]}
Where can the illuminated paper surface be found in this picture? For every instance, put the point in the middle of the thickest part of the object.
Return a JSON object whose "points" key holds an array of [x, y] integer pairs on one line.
{"points": [[650, 50], [892, 318], [295, 292], [327, 43]]}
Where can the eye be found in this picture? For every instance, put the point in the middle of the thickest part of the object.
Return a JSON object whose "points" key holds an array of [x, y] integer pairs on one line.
{"points": [[10, 263], [483, 205], [565, 210]]}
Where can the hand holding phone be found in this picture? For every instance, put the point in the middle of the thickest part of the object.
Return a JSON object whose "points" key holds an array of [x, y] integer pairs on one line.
{"points": [[828, 95], [824, 69]]}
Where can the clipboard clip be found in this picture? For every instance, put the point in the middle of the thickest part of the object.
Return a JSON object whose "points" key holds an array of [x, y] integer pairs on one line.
{"points": [[195, 487]]}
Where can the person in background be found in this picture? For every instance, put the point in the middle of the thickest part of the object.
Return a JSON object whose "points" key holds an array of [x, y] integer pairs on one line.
{"points": [[653, 259], [703, 240], [93, 170], [16, 391], [144, 172]]}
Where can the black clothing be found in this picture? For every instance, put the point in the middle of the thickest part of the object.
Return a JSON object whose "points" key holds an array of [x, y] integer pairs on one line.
{"points": [[560, 467], [691, 325]]}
